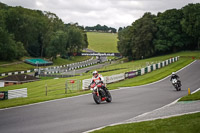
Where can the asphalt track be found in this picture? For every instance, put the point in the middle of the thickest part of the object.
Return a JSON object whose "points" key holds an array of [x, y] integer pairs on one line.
{"points": [[79, 114]]}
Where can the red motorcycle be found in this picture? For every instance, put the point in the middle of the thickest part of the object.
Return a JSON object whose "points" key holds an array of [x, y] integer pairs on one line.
{"points": [[100, 94]]}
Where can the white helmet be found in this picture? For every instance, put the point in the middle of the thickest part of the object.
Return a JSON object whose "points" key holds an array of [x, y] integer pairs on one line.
{"points": [[95, 72], [173, 73]]}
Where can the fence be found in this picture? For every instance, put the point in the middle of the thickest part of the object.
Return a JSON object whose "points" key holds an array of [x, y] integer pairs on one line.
{"points": [[17, 93], [153, 67], [107, 80], [73, 85], [56, 88], [70, 86]]}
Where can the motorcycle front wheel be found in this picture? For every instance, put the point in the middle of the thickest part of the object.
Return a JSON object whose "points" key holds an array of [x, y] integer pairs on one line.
{"points": [[109, 98], [96, 98]]}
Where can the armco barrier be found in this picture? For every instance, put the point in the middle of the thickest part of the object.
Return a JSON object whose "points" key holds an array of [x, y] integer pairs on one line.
{"points": [[86, 83], [131, 74], [17, 93], [156, 66], [142, 71], [107, 80], [114, 78]]}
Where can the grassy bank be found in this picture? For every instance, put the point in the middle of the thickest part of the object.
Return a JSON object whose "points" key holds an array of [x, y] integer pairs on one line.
{"points": [[181, 124], [102, 42], [192, 97]]}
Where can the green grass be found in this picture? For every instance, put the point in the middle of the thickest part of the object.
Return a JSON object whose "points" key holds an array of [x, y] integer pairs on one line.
{"points": [[24, 66], [192, 97], [36, 90], [102, 42], [16, 67], [180, 124]]}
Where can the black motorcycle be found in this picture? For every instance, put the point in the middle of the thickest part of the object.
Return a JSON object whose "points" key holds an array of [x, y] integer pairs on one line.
{"points": [[100, 94], [177, 84]]}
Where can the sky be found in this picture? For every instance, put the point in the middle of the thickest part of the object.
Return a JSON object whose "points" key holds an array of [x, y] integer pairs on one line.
{"points": [[112, 13]]}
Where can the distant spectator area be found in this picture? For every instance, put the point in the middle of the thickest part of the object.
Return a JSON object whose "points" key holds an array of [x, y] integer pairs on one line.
{"points": [[38, 62]]}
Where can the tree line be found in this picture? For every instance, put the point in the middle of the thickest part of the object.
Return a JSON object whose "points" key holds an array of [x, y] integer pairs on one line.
{"points": [[171, 31], [100, 28], [38, 34]]}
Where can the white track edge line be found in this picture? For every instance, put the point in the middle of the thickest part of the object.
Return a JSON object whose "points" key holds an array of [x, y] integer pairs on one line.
{"points": [[164, 117], [124, 122]]}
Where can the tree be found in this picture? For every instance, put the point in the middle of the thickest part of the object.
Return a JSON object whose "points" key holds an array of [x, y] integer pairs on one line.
{"points": [[191, 23], [103, 28], [120, 28], [136, 41], [9, 49], [124, 43], [37, 33], [57, 44], [144, 30], [76, 39], [170, 37]]}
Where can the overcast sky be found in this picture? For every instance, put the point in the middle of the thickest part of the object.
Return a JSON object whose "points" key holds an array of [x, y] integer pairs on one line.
{"points": [[113, 13]]}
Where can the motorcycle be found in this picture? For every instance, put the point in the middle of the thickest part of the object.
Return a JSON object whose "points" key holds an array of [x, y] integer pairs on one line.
{"points": [[99, 94], [176, 84]]}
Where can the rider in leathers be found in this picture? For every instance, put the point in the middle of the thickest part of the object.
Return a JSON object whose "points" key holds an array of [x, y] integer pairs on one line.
{"points": [[175, 76], [98, 78]]}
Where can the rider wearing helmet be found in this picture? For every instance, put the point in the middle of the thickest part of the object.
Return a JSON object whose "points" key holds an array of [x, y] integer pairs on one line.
{"points": [[175, 76], [98, 78]]}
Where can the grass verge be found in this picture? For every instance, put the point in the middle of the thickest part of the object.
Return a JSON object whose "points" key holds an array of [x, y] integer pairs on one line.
{"points": [[192, 97], [180, 124]]}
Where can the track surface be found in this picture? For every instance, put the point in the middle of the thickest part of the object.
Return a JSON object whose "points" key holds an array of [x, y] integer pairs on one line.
{"points": [[79, 114]]}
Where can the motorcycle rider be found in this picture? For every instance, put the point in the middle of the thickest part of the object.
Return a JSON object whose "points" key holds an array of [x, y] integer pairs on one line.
{"points": [[98, 78], [175, 76]]}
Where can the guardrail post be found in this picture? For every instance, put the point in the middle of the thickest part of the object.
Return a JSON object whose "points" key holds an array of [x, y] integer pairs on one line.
{"points": [[46, 89], [66, 88]]}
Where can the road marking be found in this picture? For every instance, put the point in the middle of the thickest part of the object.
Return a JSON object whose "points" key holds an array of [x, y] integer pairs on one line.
{"points": [[45, 102], [144, 114], [195, 91], [164, 117]]}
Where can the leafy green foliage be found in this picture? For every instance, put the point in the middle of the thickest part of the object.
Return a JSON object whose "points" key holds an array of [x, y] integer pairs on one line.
{"points": [[100, 28], [136, 41], [37, 33], [169, 36], [191, 22], [171, 31]]}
